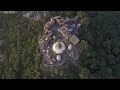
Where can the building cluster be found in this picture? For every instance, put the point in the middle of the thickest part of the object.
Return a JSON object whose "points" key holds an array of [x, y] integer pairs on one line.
{"points": [[58, 41], [34, 15], [7, 12]]}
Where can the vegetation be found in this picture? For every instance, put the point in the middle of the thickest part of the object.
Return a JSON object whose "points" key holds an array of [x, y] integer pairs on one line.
{"points": [[99, 47]]}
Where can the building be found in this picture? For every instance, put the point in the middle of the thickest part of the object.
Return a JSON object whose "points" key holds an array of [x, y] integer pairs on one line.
{"points": [[70, 47], [58, 20], [45, 39], [49, 24], [58, 57], [41, 44], [73, 39], [65, 32]]}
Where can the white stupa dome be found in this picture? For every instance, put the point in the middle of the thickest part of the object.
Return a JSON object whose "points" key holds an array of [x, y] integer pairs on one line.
{"points": [[58, 47]]}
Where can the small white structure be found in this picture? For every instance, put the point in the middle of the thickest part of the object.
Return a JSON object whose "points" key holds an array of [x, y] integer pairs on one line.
{"points": [[78, 25], [45, 28], [43, 50], [70, 47], [51, 62], [58, 57], [47, 51], [52, 19], [70, 29], [8, 12], [54, 37], [58, 47]]}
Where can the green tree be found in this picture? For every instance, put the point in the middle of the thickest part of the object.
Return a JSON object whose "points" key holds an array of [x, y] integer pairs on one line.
{"points": [[84, 73]]}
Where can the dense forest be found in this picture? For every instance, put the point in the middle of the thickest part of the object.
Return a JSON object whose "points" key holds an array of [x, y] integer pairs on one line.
{"points": [[99, 47]]}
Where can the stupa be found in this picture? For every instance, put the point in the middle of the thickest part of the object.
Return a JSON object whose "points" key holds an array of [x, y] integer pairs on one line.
{"points": [[58, 47]]}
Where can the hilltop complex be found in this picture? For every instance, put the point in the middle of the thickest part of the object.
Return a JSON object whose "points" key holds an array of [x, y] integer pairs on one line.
{"points": [[57, 43]]}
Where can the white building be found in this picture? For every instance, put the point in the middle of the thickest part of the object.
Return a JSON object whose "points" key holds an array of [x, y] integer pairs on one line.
{"points": [[70, 47], [58, 57]]}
